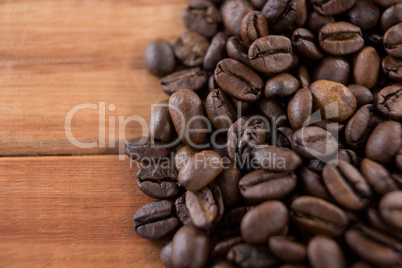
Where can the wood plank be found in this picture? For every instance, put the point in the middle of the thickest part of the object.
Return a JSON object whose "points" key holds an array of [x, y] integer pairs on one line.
{"points": [[71, 211], [55, 55]]}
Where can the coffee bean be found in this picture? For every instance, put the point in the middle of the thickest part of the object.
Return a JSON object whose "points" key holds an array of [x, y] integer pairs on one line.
{"points": [[390, 209], [237, 50], [159, 57], [303, 76], [274, 110], [376, 221], [190, 247], [166, 256], [312, 183], [271, 54], [349, 156], [391, 16], [389, 101], [363, 95], [160, 125], [373, 246], [392, 67], [187, 113], [261, 185], [275, 159], [393, 41], [364, 14], [316, 21], [397, 178], [283, 136], [155, 220], [220, 110], [398, 160], [378, 176], [336, 69], [300, 108], [287, 248], [248, 255], [366, 67], [223, 264], [238, 80], [386, 3], [228, 182], [280, 14], [194, 79], [233, 11], [340, 38], [304, 44], [202, 17], [216, 51], [181, 210], [318, 216], [191, 48], [332, 7], [253, 26], [183, 155], [322, 251], [201, 169], [143, 149], [222, 248], [384, 142], [334, 100], [281, 86], [316, 165], [301, 13]]}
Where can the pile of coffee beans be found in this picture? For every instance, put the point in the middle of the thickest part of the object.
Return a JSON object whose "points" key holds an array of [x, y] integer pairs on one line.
{"points": [[281, 142]]}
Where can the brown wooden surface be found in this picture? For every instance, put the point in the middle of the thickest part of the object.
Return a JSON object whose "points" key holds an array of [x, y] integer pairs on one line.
{"points": [[74, 210]]}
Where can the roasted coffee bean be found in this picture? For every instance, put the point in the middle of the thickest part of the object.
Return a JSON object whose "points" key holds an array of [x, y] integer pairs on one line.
{"points": [[223, 264], [233, 11], [314, 142], [287, 248], [200, 170], [336, 69], [202, 17], [318, 216], [390, 208], [384, 142], [304, 44], [376, 221], [271, 54], [158, 181], [303, 76], [283, 137], [316, 21], [143, 149], [216, 51], [390, 17], [274, 110], [340, 38], [190, 247], [182, 155], [312, 183], [205, 207], [280, 14], [228, 182], [160, 125], [191, 48], [155, 220], [301, 13], [386, 3], [378, 176], [373, 246], [275, 159], [182, 210], [389, 101], [194, 79], [366, 67], [349, 156], [281, 86], [220, 110], [332, 7], [397, 177], [253, 26], [334, 100], [243, 136], [392, 67], [346, 185], [237, 50], [222, 248], [363, 95], [184, 106], [159, 57], [166, 256], [238, 80], [316, 165], [393, 41], [364, 14], [248, 255], [398, 160], [261, 185], [322, 251], [300, 108]]}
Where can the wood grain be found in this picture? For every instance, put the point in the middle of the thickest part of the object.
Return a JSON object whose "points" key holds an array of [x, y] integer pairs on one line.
{"points": [[71, 211], [55, 55]]}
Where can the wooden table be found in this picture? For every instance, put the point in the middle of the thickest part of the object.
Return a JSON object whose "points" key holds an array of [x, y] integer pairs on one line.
{"points": [[61, 205]]}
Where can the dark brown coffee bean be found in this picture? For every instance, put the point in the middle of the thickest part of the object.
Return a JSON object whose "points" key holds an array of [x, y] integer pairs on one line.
{"points": [[366, 67], [237, 50], [202, 17], [143, 149], [181, 210], [248, 255], [283, 137], [263, 221], [332, 7], [238, 80], [194, 79], [364, 14], [312, 183], [398, 160], [322, 251], [158, 181], [378, 176], [386, 3], [393, 41], [304, 44], [340, 38], [384, 142], [392, 67], [275, 159], [155, 220], [281, 86], [219, 109], [300, 108], [336, 69], [316, 21], [318, 216], [280, 14], [166, 256], [397, 177], [223, 264], [390, 17], [349, 156], [261, 185], [184, 106], [301, 13], [183, 155], [274, 110], [334, 100], [233, 11], [228, 182], [212, 83], [159, 57], [222, 248], [363, 95], [253, 26], [200, 170], [346, 185], [160, 125], [303, 76], [314, 142], [389, 101], [190, 48], [376, 221], [271, 54], [216, 51], [390, 208], [190, 247], [373, 246], [287, 248]]}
